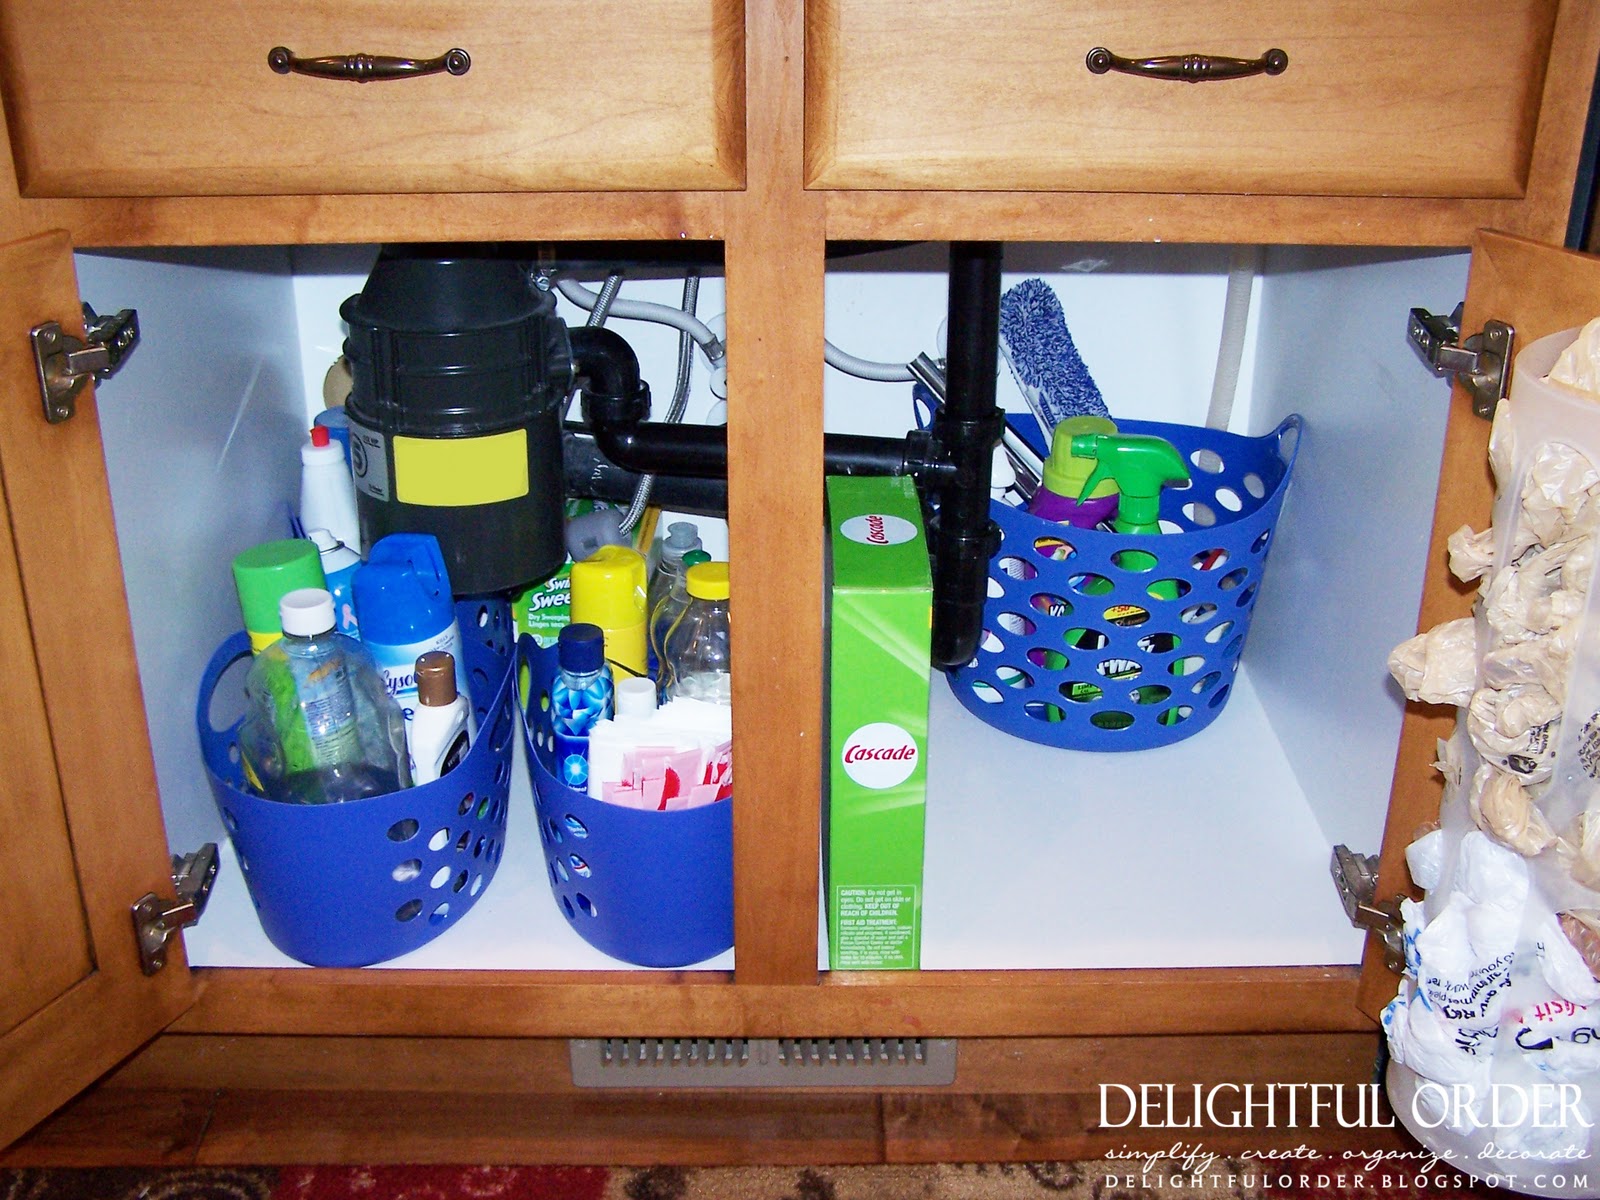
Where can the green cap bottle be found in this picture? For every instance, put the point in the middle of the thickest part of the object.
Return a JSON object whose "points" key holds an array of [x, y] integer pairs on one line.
{"points": [[266, 573]]}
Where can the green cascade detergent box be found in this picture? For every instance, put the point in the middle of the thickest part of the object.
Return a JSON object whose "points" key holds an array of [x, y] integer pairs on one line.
{"points": [[880, 613]]}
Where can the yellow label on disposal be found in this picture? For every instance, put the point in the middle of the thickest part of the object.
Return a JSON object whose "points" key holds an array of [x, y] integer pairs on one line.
{"points": [[459, 472]]}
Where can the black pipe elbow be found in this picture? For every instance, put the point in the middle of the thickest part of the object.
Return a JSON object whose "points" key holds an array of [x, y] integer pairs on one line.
{"points": [[606, 371]]}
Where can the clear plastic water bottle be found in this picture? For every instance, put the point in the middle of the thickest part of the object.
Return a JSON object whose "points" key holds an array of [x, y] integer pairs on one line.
{"points": [[581, 695], [698, 655], [668, 608], [683, 538], [321, 727]]}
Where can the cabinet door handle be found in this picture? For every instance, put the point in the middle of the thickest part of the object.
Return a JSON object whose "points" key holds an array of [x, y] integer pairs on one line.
{"points": [[364, 68], [1190, 68]]}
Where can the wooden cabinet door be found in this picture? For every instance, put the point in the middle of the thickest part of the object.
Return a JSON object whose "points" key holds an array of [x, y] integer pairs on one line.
{"points": [[82, 838], [1537, 290]]}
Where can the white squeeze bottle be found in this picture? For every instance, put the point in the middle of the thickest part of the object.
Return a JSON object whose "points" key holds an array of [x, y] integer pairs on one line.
{"points": [[327, 490], [439, 736]]}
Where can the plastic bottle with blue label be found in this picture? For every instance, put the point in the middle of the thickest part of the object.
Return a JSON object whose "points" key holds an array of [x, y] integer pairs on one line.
{"points": [[581, 697], [405, 609]]}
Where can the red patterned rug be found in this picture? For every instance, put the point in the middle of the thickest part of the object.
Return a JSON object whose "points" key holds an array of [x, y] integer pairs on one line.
{"points": [[1152, 1179]]}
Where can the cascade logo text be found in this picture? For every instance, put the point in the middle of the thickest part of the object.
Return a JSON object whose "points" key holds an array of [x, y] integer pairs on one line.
{"points": [[880, 755]]}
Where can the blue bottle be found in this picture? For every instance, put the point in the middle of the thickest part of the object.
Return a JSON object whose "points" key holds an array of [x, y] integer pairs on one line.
{"points": [[405, 609], [581, 696]]}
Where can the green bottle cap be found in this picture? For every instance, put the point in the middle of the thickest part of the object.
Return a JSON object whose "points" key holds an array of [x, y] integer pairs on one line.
{"points": [[1065, 473], [264, 574]]}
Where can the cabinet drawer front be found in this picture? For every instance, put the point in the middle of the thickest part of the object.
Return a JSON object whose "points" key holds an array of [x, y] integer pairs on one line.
{"points": [[1388, 98], [163, 98]]}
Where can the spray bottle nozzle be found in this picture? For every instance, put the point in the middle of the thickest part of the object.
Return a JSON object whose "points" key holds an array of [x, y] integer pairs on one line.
{"points": [[1140, 465]]}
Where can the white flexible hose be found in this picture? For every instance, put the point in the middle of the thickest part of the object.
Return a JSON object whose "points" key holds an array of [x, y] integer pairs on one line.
{"points": [[645, 310], [662, 314], [1242, 272], [862, 369]]}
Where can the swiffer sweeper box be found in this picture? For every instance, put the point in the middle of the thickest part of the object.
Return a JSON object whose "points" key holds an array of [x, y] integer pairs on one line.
{"points": [[880, 615]]}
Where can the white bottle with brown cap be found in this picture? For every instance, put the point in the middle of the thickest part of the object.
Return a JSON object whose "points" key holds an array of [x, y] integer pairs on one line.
{"points": [[441, 729]]}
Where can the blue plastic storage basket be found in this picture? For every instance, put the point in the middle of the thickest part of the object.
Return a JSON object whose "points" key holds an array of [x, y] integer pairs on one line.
{"points": [[345, 885], [651, 888], [1087, 646]]}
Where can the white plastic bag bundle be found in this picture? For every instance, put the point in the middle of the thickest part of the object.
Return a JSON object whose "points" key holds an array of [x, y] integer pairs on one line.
{"points": [[1502, 989], [1439, 666]]}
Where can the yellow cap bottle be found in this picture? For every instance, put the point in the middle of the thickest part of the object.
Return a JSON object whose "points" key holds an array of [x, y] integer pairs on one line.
{"points": [[608, 590]]}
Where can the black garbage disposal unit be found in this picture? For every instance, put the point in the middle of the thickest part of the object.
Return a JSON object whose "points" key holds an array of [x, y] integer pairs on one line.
{"points": [[460, 368]]}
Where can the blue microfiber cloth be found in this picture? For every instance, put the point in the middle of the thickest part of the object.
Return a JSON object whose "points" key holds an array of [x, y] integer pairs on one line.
{"points": [[1046, 365]]}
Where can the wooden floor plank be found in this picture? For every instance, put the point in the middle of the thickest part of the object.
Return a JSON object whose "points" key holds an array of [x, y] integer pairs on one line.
{"points": [[1037, 1128], [118, 1127], [623, 1129]]}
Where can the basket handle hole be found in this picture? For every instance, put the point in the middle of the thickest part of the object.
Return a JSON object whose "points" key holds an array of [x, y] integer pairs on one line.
{"points": [[228, 704]]}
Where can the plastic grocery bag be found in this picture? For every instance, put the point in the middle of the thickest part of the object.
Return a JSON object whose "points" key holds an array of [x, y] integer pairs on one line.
{"points": [[1495, 1033]]}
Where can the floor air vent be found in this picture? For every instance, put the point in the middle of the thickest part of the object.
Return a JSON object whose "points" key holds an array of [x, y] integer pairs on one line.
{"points": [[762, 1062]]}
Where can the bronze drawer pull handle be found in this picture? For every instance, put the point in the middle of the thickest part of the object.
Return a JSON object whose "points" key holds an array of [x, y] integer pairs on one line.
{"points": [[364, 68], [1190, 68]]}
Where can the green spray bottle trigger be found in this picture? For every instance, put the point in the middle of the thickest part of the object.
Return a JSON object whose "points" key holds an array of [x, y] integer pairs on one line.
{"points": [[1141, 466]]}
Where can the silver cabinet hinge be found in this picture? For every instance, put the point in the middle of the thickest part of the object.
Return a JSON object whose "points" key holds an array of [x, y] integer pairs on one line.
{"points": [[65, 363], [1482, 363], [1355, 876], [155, 920]]}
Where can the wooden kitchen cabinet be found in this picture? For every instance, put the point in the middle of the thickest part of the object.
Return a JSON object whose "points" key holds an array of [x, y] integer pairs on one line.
{"points": [[774, 183]]}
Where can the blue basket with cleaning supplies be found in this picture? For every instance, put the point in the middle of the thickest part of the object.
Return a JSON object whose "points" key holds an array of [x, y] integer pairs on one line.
{"points": [[1095, 640], [347, 885], [654, 889]]}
